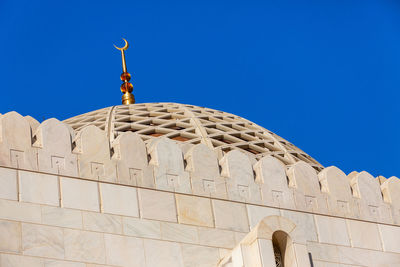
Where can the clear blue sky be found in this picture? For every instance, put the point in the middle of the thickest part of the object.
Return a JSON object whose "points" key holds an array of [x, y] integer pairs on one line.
{"points": [[324, 75]]}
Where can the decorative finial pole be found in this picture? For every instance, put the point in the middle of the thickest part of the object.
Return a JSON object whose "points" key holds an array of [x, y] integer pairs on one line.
{"points": [[126, 87]]}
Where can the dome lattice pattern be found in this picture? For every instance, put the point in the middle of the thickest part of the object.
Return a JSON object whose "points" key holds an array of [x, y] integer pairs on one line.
{"points": [[193, 125]]}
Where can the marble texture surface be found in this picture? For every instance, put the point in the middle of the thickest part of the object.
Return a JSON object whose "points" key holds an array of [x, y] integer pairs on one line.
{"points": [[157, 205], [199, 256], [61, 217], [100, 222], [44, 241], [364, 235], [80, 194], [332, 230], [194, 210], [120, 200], [84, 246], [10, 236], [124, 251], [39, 188], [230, 216], [163, 254], [20, 211], [142, 228], [12, 260], [179, 233], [8, 180]]}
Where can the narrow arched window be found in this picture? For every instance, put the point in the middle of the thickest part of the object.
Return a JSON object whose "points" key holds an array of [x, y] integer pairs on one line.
{"points": [[282, 249]]}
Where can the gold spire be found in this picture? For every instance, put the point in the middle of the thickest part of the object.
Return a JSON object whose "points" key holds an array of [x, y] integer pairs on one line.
{"points": [[126, 87]]}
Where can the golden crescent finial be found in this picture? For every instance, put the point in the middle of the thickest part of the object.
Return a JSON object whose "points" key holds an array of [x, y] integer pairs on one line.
{"points": [[126, 87], [126, 46]]}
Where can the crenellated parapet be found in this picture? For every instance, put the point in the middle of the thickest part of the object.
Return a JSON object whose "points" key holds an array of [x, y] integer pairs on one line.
{"points": [[129, 155], [94, 155], [161, 163], [202, 164], [307, 194], [166, 157], [390, 189], [368, 191], [335, 184], [16, 148], [237, 168], [270, 175], [53, 143]]}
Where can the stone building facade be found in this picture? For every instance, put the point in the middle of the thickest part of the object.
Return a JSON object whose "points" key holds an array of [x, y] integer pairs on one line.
{"points": [[168, 184]]}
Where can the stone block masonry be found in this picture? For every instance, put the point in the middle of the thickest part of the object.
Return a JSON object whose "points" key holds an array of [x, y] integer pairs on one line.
{"points": [[82, 200]]}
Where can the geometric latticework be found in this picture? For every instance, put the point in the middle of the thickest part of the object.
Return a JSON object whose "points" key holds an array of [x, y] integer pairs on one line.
{"points": [[193, 125], [278, 257]]}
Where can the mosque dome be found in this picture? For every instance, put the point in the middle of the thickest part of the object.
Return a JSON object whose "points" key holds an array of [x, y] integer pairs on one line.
{"points": [[190, 124]]}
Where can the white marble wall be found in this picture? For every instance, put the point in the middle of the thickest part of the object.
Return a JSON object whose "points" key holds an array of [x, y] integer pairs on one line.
{"points": [[74, 199], [52, 147], [65, 221]]}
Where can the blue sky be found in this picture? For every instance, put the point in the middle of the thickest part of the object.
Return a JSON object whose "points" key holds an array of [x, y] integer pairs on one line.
{"points": [[324, 75]]}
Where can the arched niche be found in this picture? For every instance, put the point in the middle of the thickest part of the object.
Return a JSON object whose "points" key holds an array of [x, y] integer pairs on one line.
{"points": [[282, 245], [272, 235]]}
